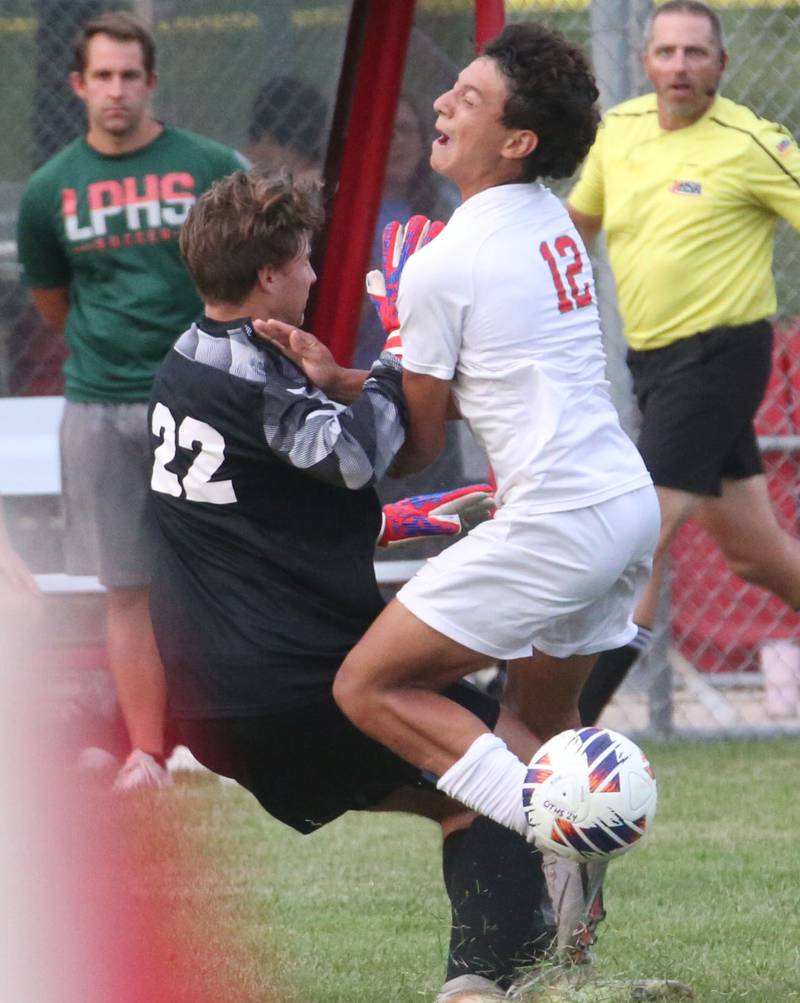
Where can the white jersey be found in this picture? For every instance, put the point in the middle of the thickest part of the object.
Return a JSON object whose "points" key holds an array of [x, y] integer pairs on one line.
{"points": [[502, 303]]}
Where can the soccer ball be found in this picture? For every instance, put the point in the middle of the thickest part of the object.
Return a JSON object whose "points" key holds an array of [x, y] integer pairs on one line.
{"points": [[589, 794]]}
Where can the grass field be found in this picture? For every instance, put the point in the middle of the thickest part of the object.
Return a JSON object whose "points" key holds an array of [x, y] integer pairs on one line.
{"points": [[357, 913]]}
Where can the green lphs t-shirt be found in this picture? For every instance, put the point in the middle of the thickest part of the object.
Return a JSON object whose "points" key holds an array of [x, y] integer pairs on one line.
{"points": [[107, 227]]}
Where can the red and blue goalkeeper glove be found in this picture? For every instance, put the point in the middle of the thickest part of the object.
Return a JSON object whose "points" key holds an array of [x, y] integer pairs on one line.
{"points": [[433, 515], [399, 242]]}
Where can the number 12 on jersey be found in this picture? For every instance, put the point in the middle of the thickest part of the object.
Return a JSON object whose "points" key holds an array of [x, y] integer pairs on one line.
{"points": [[567, 259]]}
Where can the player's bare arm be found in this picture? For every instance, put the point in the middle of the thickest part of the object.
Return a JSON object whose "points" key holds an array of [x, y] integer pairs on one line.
{"points": [[587, 226], [428, 407], [305, 350], [53, 305]]}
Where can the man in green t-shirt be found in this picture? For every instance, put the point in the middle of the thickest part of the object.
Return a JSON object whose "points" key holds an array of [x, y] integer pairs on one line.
{"points": [[97, 236]]}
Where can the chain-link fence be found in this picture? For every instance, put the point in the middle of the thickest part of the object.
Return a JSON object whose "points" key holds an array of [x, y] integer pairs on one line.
{"points": [[261, 75]]}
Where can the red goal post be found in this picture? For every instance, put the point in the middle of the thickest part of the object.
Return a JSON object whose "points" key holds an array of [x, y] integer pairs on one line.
{"points": [[369, 88]]}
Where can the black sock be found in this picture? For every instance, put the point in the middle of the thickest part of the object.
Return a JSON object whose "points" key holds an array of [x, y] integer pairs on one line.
{"points": [[608, 672], [496, 885]]}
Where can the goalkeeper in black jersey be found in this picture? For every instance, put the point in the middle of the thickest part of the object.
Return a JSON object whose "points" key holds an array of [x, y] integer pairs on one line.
{"points": [[264, 491]]}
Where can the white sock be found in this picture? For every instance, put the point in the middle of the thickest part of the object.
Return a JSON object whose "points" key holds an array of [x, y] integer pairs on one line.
{"points": [[488, 778]]}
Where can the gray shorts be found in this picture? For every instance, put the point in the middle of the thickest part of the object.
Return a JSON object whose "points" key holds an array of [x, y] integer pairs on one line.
{"points": [[105, 478]]}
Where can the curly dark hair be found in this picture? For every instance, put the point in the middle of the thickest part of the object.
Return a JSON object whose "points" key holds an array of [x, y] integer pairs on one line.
{"points": [[552, 92]]}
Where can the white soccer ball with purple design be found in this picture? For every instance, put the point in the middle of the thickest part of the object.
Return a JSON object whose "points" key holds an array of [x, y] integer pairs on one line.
{"points": [[589, 794]]}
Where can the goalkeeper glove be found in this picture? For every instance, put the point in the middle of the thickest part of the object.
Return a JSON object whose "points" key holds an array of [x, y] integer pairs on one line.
{"points": [[382, 284], [433, 515]]}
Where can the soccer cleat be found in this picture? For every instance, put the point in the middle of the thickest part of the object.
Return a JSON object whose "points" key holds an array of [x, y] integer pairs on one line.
{"points": [[576, 893], [141, 772], [181, 759], [470, 989]]}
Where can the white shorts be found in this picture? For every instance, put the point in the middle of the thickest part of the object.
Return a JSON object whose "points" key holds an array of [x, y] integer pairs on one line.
{"points": [[565, 583]]}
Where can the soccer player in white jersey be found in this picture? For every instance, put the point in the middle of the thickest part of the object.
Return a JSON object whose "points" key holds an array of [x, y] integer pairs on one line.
{"points": [[498, 319], [499, 325]]}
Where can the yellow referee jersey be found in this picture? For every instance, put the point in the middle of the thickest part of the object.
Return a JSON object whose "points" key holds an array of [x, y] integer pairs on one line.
{"points": [[690, 215]]}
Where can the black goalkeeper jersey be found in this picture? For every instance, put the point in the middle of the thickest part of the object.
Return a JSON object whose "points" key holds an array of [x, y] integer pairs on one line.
{"points": [[264, 493]]}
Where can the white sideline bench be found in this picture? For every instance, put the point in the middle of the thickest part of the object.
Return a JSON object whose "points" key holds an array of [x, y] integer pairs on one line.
{"points": [[29, 462], [30, 467], [59, 583]]}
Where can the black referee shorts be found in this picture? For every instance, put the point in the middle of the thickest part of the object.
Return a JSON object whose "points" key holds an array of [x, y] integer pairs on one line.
{"points": [[698, 399], [309, 765]]}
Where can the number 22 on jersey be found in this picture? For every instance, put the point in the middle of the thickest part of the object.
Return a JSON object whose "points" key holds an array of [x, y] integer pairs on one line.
{"points": [[209, 448], [566, 268]]}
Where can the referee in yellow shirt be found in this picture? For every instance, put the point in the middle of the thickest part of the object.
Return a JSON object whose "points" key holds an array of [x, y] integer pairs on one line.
{"points": [[688, 187]]}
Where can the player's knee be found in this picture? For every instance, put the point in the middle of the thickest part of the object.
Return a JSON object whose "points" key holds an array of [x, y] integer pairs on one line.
{"points": [[351, 696], [745, 567], [773, 576], [753, 564]]}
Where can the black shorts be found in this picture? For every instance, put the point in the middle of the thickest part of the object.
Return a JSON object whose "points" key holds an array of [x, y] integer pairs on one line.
{"points": [[310, 765], [698, 399]]}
